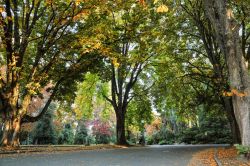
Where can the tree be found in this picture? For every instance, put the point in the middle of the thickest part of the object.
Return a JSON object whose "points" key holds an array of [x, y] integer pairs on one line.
{"points": [[102, 132], [227, 29], [67, 135], [44, 132], [39, 47], [81, 135], [89, 96], [204, 34], [207, 131], [92, 106], [130, 32], [139, 113]]}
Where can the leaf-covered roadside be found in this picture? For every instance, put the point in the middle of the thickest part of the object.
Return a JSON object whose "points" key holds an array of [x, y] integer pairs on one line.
{"points": [[226, 157], [6, 152]]}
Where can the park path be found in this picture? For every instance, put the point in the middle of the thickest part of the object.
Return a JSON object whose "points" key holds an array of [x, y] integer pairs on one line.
{"points": [[179, 155]]}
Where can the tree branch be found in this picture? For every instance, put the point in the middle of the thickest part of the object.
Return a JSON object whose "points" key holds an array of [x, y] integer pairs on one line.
{"points": [[28, 118]]}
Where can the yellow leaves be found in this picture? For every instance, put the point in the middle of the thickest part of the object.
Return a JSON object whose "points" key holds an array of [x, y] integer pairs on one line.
{"points": [[78, 2], [90, 44], [162, 9], [32, 87], [97, 45], [115, 63], [234, 92]]}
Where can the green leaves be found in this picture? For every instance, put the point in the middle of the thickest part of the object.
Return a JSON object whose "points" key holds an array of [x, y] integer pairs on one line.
{"points": [[89, 97], [84, 96]]}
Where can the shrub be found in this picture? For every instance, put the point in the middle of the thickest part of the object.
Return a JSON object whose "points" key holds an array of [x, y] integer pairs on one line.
{"points": [[162, 137], [211, 130], [101, 132], [244, 150], [81, 136], [44, 132], [67, 135]]}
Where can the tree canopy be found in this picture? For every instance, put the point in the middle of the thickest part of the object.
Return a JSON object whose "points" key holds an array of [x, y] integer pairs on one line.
{"points": [[131, 63]]}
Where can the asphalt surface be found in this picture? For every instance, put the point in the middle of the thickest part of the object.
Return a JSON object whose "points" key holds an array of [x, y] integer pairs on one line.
{"points": [[137, 156]]}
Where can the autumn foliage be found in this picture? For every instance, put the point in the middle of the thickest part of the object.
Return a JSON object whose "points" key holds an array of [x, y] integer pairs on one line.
{"points": [[226, 156]]}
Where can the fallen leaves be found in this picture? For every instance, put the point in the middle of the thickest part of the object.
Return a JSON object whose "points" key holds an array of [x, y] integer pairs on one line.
{"points": [[204, 158], [227, 157], [40, 149]]}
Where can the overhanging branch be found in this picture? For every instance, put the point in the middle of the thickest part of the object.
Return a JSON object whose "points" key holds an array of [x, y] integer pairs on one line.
{"points": [[29, 118]]}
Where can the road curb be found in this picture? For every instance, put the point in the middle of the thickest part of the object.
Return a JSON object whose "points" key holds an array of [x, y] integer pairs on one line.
{"points": [[20, 152], [54, 148], [216, 157]]}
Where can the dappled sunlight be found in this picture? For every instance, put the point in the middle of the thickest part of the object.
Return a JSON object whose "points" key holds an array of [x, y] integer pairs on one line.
{"points": [[126, 75]]}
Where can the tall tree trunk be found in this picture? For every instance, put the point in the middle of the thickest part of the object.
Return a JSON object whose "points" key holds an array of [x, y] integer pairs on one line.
{"points": [[120, 128], [228, 105], [11, 132], [12, 117], [16, 131], [227, 32], [7, 128]]}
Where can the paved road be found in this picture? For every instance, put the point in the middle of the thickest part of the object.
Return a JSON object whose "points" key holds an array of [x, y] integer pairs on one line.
{"points": [[143, 156]]}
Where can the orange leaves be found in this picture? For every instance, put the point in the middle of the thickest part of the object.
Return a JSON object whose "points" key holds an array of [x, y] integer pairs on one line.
{"points": [[228, 94], [229, 157], [226, 156], [142, 2], [154, 126], [204, 158], [226, 153], [1, 9], [83, 14], [234, 92], [243, 94]]}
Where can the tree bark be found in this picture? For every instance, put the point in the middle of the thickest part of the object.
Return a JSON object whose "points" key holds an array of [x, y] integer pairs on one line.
{"points": [[16, 130], [208, 36], [6, 133], [11, 132], [227, 32], [120, 128], [228, 105], [16, 86]]}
